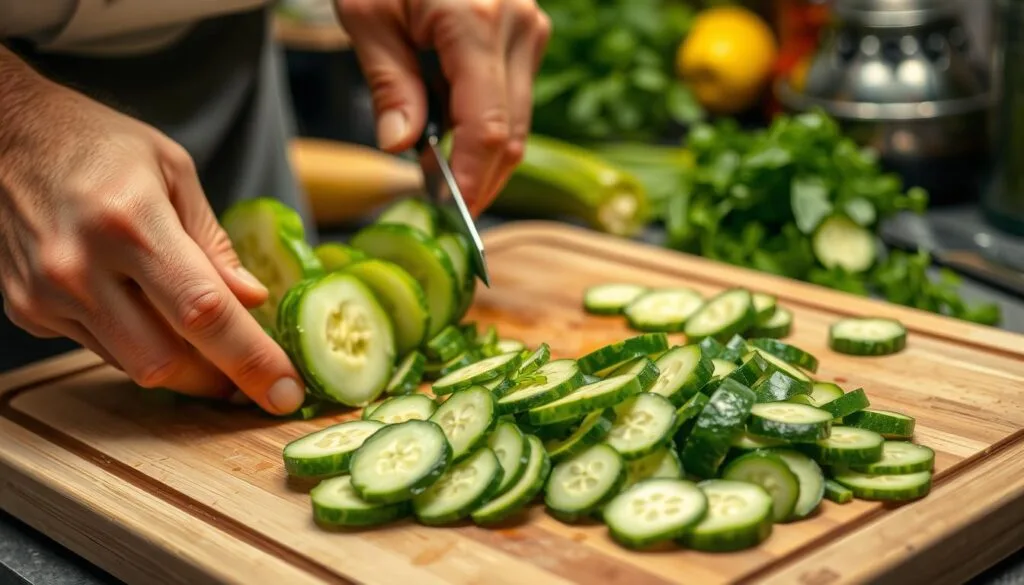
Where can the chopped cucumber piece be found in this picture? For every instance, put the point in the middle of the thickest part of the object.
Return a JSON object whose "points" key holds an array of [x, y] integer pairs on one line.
{"points": [[326, 452], [644, 370], [550, 382], [402, 408], [408, 374], [765, 306], [466, 418], [896, 487], [400, 461], [333, 255], [512, 449], [837, 492], [610, 298], [789, 422], [538, 358], [643, 423], [466, 486], [591, 431], [687, 415], [607, 392], [778, 386], [720, 420], [891, 425], [336, 503], [747, 442], [770, 363], [584, 482], [456, 246], [682, 372], [821, 393], [481, 371], [522, 492], [414, 213], [769, 471], [898, 457], [400, 296], [779, 325], [654, 510], [711, 348], [616, 353], [788, 353], [867, 336], [727, 314], [847, 446], [722, 368], [739, 516], [663, 463], [810, 477], [748, 371], [510, 345], [448, 343], [435, 371], [840, 243], [665, 309], [847, 404]]}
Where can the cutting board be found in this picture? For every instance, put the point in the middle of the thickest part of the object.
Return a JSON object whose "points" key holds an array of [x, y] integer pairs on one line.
{"points": [[180, 492]]}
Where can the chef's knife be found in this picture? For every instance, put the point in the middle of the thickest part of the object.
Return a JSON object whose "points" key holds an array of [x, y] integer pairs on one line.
{"points": [[437, 175]]}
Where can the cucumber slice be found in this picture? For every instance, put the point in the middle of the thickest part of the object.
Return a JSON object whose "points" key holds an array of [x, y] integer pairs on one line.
{"points": [[408, 374], [336, 503], [464, 487], [522, 492], [654, 510], [643, 423], [687, 415], [736, 349], [644, 370], [481, 371], [898, 457], [466, 418], [333, 255], [435, 370], [603, 394], [847, 404], [414, 213], [402, 408], [891, 425], [788, 353], [810, 477], [509, 345], [867, 336], [400, 461], [448, 343], [665, 309], [739, 516], [711, 347], [722, 368], [821, 393], [663, 463], [512, 450], [538, 358], [770, 363], [748, 371], [457, 248], [400, 296], [748, 442], [729, 313], [583, 483], [340, 338], [893, 488], [616, 353], [327, 452], [790, 422], [778, 386], [840, 243], [610, 298], [769, 471], [847, 446], [423, 259], [550, 382], [270, 241], [683, 371], [779, 325], [721, 420], [591, 431], [837, 492], [764, 306]]}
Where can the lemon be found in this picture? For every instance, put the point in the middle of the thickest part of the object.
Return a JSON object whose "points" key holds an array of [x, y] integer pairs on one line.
{"points": [[727, 58]]}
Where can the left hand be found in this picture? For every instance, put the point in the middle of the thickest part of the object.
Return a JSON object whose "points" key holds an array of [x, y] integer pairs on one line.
{"points": [[489, 50]]}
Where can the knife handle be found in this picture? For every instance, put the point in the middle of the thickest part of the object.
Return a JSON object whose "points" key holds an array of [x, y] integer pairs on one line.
{"points": [[437, 98]]}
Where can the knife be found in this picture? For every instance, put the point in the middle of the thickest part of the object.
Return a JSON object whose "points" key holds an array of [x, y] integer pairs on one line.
{"points": [[437, 175]]}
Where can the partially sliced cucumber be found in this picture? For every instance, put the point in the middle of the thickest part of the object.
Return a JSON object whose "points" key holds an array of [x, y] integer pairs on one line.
{"points": [[610, 298], [516, 497], [592, 430], [643, 423], [898, 457], [334, 255], [840, 243], [408, 374], [550, 382], [739, 516], [897, 487], [477, 372], [603, 394], [336, 503], [867, 336], [327, 452], [721, 420], [682, 372], [810, 477], [654, 510], [466, 418], [722, 316], [789, 422], [402, 408], [584, 482], [411, 212], [769, 471], [400, 461], [400, 296], [614, 354], [665, 309], [464, 487], [512, 449], [889, 424], [847, 446]]}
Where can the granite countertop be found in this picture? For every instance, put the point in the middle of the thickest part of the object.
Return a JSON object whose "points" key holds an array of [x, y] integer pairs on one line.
{"points": [[28, 557]]}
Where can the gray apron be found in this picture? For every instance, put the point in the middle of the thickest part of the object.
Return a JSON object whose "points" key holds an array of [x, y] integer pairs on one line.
{"points": [[219, 92]]}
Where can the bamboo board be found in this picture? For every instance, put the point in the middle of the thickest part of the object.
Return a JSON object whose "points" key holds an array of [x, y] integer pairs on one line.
{"points": [[190, 493]]}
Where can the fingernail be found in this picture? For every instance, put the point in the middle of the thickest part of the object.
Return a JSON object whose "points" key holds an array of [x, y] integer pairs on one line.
{"points": [[239, 398], [391, 128], [249, 278], [286, 396]]}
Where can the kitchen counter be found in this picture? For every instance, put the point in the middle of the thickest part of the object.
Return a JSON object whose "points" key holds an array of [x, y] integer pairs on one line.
{"points": [[29, 557]]}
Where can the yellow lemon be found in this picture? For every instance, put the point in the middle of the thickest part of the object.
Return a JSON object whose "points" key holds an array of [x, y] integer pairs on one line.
{"points": [[727, 58]]}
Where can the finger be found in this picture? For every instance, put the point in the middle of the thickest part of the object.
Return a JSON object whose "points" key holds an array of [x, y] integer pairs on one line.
{"points": [[199, 222], [76, 332], [389, 65], [28, 325]]}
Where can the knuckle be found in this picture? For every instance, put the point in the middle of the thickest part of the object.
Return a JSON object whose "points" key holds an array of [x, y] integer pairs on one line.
{"points": [[61, 269], [203, 311], [487, 10], [254, 366], [157, 372], [524, 10], [514, 150], [119, 217], [178, 159], [493, 131]]}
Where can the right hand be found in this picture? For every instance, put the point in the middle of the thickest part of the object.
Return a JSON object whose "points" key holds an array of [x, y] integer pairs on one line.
{"points": [[106, 237]]}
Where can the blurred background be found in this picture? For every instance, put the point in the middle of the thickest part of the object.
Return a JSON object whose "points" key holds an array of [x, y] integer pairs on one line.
{"points": [[864, 145]]}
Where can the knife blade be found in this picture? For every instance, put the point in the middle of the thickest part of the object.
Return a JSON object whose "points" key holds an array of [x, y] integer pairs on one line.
{"points": [[440, 183]]}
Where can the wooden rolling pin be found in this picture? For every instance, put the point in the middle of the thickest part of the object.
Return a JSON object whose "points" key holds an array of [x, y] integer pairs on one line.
{"points": [[346, 182]]}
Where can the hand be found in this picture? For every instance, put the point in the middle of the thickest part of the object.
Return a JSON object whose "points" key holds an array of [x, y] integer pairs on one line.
{"points": [[489, 50], [107, 238]]}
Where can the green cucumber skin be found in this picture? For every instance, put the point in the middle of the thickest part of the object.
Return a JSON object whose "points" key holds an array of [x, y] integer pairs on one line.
{"points": [[418, 487], [646, 371], [616, 353], [747, 320], [848, 480], [847, 404], [748, 372], [461, 513], [550, 412], [792, 432], [790, 354], [735, 470], [448, 343], [866, 348], [330, 517], [720, 420], [411, 381], [577, 442], [573, 516], [484, 517], [837, 492], [880, 422], [778, 386]]}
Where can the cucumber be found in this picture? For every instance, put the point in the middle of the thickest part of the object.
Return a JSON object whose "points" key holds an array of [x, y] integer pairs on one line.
{"points": [[512, 450], [721, 420], [400, 296], [663, 463], [326, 453], [686, 416], [334, 255], [411, 212], [765, 306], [837, 492], [448, 343], [474, 373], [643, 368], [643, 423], [516, 497], [548, 383], [711, 347], [510, 345], [722, 368], [591, 431], [654, 510], [739, 516], [408, 374], [610, 298], [838, 242], [538, 358], [769, 471], [893, 488], [891, 425], [789, 422], [847, 446], [402, 408], [423, 259], [729, 313], [867, 336], [464, 487], [735, 350], [340, 338], [336, 503], [810, 478], [270, 241], [607, 392], [770, 363], [779, 325], [436, 370], [456, 246], [400, 461], [898, 457], [778, 386], [748, 371], [466, 418], [682, 372], [583, 483], [619, 352], [821, 393], [747, 442], [847, 404], [665, 309], [788, 353]]}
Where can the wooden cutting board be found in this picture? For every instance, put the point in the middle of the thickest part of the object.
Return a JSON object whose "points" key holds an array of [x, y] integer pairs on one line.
{"points": [[186, 493]]}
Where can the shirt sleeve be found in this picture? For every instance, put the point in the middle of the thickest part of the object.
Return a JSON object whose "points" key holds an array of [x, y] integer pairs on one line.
{"points": [[34, 19]]}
